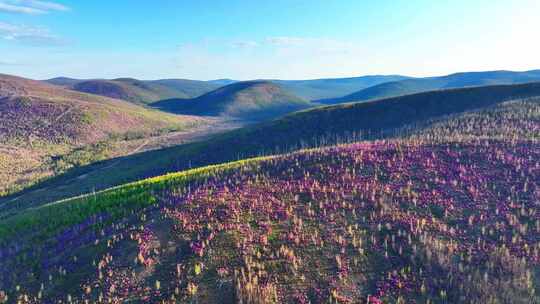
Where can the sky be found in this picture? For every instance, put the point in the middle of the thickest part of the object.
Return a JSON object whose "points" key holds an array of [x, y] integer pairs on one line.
{"points": [[246, 39]]}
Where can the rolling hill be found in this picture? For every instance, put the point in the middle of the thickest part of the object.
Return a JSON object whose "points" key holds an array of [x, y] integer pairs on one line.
{"points": [[39, 121], [189, 88], [138, 91], [30, 107], [458, 80], [423, 113], [145, 91], [326, 91], [250, 100], [333, 87]]}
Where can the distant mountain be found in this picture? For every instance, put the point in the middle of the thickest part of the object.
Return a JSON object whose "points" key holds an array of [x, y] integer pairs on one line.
{"points": [[138, 91], [326, 91], [147, 91], [63, 81], [222, 82], [250, 100], [333, 87], [416, 85], [189, 88], [324, 88]]}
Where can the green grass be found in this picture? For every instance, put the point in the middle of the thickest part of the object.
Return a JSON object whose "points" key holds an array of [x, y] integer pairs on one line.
{"points": [[117, 201], [81, 156]]}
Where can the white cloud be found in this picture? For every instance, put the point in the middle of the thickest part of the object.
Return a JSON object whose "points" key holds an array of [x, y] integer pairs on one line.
{"points": [[285, 41], [8, 63], [245, 44], [10, 8], [321, 45], [28, 34], [43, 5], [30, 7]]}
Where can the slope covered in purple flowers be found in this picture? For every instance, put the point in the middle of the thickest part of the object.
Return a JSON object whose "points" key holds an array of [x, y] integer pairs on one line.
{"points": [[380, 222]]}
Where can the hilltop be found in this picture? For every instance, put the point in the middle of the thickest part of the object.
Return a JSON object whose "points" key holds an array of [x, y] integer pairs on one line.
{"points": [[250, 100], [490, 107], [39, 122], [223, 82], [63, 81], [138, 91], [457, 80]]}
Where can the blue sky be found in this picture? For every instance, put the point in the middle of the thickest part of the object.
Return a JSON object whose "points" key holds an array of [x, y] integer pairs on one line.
{"points": [[246, 39]]}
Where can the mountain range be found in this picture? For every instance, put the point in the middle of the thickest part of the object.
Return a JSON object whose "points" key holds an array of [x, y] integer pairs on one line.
{"points": [[327, 91], [315, 89], [146, 91], [138, 91], [415, 85]]}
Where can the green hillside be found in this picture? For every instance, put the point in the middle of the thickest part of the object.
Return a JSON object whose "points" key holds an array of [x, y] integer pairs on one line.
{"points": [[250, 100]]}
